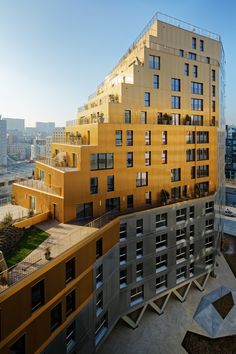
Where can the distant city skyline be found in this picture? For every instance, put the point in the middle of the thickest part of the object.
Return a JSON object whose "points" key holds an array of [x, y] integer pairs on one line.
{"points": [[48, 66]]}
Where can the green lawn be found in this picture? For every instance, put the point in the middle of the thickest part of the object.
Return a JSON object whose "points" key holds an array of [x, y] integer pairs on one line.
{"points": [[30, 241]]}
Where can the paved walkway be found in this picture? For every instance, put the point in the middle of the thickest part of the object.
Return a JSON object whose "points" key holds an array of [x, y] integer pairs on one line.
{"points": [[62, 237], [17, 211], [164, 334]]}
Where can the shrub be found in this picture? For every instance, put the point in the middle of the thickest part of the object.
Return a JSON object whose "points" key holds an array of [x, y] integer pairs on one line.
{"points": [[7, 220]]}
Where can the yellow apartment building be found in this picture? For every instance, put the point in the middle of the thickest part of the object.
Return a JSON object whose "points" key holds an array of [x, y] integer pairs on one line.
{"points": [[141, 163]]}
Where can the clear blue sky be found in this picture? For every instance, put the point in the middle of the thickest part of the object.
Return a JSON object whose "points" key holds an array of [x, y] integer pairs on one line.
{"points": [[55, 52]]}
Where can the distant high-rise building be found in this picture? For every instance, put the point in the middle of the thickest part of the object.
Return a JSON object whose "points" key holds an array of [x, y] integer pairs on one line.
{"points": [[15, 124], [59, 135], [45, 127], [38, 149], [230, 153], [3, 145]]}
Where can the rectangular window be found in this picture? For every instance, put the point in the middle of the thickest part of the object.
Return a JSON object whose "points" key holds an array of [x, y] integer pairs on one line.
{"points": [[129, 159], [195, 71], [164, 137], [164, 157], [201, 45], [196, 104], [154, 62], [161, 263], [202, 154], [37, 295], [175, 102], [101, 161], [181, 255], [161, 220], [141, 179], [191, 269], [70, 303], [181, 215], [181, 52], [56, 317], [110, 183], [202, 171], [176, 193], [209, 241], [191, 231], [99, 303], [123, 255], [194, 42], [161, 283], [127, 117], [161, 242], [148, 198], [123, 278], [213, 75], [99, 276], [186, 69], [144, 117], [147, 158], [202, 189], [213, 106], [181, 274], [137, 295], [123, 231], [139, 249], [93, 185], [191, 249], [190, 155], [147, 99], [155, 81], [190, 137], [130, 201], [129, 137], [208, 60], [193, 172], [192, 56], [197, 120], [191, 212], [118, 137], [70, 337], [181, 235], [213, 90], [18, 347], [175, 84], [209, 225], [70, 270], [209, 207], [101, 328], [202, 137], [175, 174], [139, 271], [99, 248], [209, 260], [196, 88], [139, 227]]}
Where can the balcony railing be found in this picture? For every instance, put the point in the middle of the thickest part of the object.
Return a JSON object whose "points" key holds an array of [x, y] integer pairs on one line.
{"points": [[60, 165], [41, 186]]}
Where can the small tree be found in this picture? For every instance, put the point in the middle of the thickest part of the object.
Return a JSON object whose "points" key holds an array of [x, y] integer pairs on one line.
{"points": [[7, 220]]}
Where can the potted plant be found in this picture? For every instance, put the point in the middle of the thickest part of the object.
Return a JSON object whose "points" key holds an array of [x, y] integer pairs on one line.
{"points": [[47, 253]]}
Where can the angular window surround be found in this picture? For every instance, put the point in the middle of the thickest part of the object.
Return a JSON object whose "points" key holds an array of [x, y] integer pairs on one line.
{"points": [[70, 270], [161, 220], [101, 161], [123, 278], [161, 262], [127, 116]]}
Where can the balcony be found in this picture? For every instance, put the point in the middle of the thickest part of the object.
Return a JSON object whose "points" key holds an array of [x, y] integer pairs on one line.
{"points": [[41, 186], [60, 165]]}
